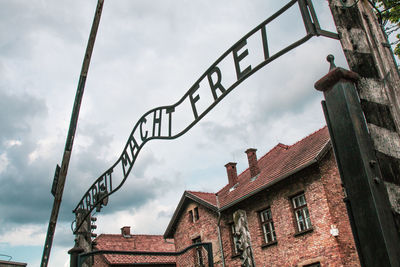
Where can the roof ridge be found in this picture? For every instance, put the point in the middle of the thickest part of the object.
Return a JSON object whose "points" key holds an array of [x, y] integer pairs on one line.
{"points": [[192, 191], [313, 133], [205, 197], [145, 235], [282, 145], [116, 235]]}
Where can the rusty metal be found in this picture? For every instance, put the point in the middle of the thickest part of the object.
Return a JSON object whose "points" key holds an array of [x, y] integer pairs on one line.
{"points": [[371, 218], [60, 176], [55, 180], [139, 136]]}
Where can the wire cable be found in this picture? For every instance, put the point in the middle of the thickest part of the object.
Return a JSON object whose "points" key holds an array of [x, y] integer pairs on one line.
{"points": [[4, 255]]}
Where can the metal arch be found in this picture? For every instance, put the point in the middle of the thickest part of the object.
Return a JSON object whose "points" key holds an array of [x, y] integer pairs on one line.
{"points": [[91, 199], [207, 246]]}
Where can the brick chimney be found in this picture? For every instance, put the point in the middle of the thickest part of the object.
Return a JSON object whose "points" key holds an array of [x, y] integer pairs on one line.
{"points": [[126, 231], [253, 163], [232, 173]]}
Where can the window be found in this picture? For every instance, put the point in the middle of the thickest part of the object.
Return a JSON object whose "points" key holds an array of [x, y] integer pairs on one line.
{"points": [[234, 240], [301, 213], [267, 226], [316, 264], [196, 214], [198, 254], [190, 216]]}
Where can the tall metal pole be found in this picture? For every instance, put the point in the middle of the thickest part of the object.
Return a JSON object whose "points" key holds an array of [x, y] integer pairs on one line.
{"points": [[60, 180]]}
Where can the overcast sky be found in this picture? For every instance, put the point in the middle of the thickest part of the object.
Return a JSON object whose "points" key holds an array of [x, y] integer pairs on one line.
{"points": [[147, 54]]}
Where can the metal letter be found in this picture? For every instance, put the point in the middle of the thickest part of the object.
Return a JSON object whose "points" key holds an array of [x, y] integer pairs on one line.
{"points": [[217, 84], [143, 137], [237, 58], [157, 120], [265, 42], [194, 100], [169, 112]]}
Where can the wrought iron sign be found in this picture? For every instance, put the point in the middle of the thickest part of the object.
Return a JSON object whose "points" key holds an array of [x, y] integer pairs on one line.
{"points": [[158, 123]]}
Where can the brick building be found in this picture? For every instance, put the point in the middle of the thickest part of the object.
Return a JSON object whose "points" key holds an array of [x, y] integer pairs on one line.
{"points": [[293, 199], [294, 204], [128, 242]]}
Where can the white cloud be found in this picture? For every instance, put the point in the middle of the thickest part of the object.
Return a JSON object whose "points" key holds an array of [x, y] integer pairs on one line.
{"points": [[11, 143], [149, 219], [59, 257], [27, 234], [3, 162], [43, 150]]}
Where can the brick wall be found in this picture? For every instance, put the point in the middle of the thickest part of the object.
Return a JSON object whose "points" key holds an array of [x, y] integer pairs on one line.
{"points": [[205, 228], [323, 192], [335, 195], [99, 261]]}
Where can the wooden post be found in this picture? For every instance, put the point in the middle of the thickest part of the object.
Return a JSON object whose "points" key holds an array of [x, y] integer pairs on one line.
{"points": [[368, 54], [60, 182]]}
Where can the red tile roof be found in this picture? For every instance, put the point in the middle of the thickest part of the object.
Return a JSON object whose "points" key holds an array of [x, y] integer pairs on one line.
{"points": [[279, 163], [210, 198], [153, 243]]}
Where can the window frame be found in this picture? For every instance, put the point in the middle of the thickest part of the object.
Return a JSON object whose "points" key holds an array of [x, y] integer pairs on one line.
{"points": [[191, 217], [198, 253], [304, 211], [269, 222], [196, 215]]}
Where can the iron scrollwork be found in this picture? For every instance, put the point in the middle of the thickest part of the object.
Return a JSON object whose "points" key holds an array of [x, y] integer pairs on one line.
{"points": [[157, 123]]}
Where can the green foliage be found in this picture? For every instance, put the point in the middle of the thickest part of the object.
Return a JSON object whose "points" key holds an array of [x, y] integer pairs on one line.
{"points": [[388, 12]]}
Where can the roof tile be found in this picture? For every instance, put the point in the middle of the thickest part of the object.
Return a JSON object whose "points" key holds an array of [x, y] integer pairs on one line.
{"points": [[154, 243], [280, 161]]}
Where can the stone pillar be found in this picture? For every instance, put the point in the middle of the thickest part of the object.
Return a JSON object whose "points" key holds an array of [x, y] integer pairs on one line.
{"points": [[83, 237]]}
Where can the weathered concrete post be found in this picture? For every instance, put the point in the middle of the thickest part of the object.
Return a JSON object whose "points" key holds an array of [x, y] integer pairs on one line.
{"points": [[368, 53], [83, 240]]}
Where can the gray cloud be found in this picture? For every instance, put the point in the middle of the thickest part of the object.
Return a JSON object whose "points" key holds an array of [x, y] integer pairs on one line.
{"points": [[16, 113], [20, 193]]}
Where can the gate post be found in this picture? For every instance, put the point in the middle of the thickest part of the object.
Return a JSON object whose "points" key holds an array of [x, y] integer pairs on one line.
{"points": [[369, 209], [74, 252], [83, 239], [369, 54]]}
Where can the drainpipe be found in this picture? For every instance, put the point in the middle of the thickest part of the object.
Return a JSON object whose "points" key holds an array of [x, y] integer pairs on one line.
{"points": [[169, 242], [219, 234]]}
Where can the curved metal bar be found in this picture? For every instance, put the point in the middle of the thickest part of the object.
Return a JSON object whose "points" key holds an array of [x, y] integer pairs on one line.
{"points": [[207, 246], [238, 52], [8, 256]]}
